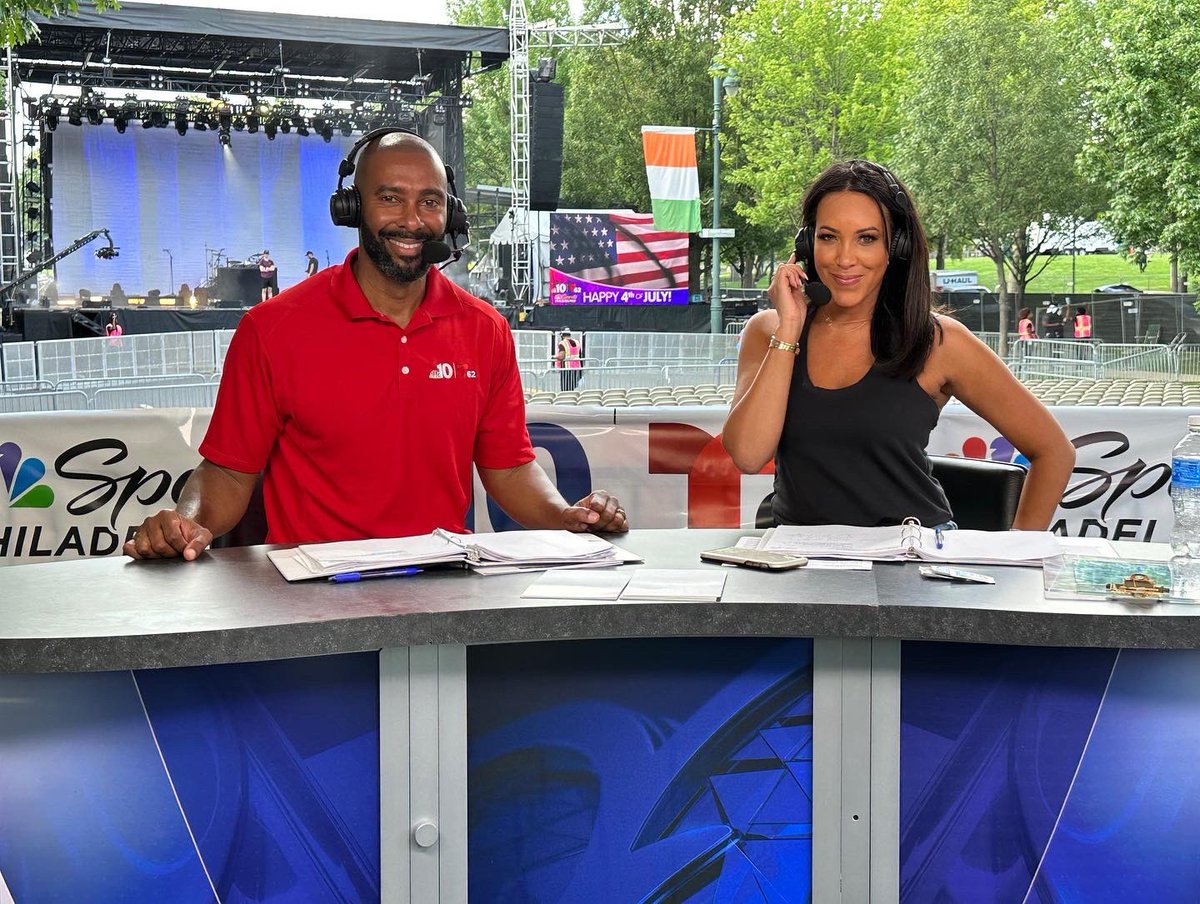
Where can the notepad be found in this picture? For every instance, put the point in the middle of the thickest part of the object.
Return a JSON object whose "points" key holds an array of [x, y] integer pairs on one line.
{"points": [[700, 585], [511, 550], [912, 541]]}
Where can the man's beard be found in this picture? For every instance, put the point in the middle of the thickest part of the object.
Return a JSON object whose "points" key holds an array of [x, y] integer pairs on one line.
{"points": [[376, 248]]}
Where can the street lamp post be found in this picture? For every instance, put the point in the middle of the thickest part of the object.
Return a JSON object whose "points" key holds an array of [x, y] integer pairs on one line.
{"points": [[724, 79]]}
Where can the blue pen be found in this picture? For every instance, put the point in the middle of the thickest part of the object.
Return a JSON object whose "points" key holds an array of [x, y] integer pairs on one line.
{"points": [[937, 536], [350, 577]]}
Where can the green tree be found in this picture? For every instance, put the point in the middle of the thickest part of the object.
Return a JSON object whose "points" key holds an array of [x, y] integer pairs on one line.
{"points": [[16, 22], [819, 83], [1145, 146], [995, 120]]}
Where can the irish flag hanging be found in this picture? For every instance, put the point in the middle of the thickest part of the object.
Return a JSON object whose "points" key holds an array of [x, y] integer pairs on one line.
{"points": [[674, 180]]}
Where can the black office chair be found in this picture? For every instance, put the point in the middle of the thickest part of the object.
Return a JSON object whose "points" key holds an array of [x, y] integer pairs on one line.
{"points": [[983, 494]]}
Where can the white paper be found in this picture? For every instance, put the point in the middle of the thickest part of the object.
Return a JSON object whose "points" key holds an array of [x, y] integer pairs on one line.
{"points": [[688, 584], [581, 584]]}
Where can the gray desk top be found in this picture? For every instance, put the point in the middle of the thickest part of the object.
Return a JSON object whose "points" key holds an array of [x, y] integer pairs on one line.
{"points": [[233, 606]]}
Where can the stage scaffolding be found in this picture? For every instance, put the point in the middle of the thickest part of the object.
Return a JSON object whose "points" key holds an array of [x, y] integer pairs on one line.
{"points": [[10, 169]]}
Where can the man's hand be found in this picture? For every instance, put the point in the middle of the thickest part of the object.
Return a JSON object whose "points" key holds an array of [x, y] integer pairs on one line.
{"points": [[167, 535], [597, 512]]}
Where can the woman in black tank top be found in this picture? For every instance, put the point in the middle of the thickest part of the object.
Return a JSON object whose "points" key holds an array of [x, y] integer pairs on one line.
{"points": [[843, 395]]}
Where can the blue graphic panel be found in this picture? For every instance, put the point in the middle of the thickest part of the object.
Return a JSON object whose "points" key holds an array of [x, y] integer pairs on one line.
{"points": [[86, 811], [990, 741], [647, 770], [1130, 829], [273, 769]]}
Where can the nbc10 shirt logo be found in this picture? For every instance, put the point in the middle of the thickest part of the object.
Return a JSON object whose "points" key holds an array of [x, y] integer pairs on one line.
{"points": [[89, 505]]}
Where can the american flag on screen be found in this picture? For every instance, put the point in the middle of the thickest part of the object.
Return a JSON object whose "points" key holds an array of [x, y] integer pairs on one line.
{"points": [[619, 249]]}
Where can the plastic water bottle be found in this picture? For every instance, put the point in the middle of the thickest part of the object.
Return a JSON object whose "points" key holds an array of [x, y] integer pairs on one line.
{"points": [[1185, 499]]}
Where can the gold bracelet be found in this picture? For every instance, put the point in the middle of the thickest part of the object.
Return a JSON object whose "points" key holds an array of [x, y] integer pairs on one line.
{"points": [[793, 347]]}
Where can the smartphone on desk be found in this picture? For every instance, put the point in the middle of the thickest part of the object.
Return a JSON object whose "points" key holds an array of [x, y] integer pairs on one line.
{"points": [[753, 558]]}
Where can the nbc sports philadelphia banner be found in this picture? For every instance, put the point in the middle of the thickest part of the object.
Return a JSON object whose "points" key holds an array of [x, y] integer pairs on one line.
{"points": [[76, 484], [673, 177]]}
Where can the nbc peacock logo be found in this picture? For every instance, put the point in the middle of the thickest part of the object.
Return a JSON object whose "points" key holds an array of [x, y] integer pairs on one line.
{"points": [[22, 478]]}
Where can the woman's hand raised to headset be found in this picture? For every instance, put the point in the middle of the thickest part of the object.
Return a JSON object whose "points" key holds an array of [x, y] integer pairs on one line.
{"points": [[787, 295]]}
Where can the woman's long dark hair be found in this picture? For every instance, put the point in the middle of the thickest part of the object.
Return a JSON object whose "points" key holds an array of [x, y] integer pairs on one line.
{"points": [[903, 325]]}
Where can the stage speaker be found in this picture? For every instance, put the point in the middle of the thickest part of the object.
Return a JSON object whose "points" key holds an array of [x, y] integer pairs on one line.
{"points": [[545, 144]]}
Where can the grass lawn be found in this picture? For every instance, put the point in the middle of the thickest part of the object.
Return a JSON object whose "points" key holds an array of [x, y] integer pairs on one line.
{"points": [[1091, 270]]}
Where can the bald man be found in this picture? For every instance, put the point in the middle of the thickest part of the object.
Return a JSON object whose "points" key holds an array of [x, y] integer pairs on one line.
{"points": [[364, 395]]}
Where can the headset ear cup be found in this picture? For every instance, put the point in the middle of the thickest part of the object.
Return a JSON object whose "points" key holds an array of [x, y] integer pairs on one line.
{"points": [[456, 222], [901, 249], [804, 246], [345, 207]]}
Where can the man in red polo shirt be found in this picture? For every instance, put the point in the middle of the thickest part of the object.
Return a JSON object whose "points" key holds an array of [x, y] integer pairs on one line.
{"points": [[364, 394]]}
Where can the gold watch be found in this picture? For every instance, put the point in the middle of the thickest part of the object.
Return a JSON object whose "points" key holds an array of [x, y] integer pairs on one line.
{"points": [[793, 347]]}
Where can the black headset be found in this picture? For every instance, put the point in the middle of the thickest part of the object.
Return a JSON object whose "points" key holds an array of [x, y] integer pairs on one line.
{"points": [[900, 246], [345, 204]]}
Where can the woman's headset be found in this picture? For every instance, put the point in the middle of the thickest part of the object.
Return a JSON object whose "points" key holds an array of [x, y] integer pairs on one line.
{"points": [[900, 246], [345, 204]]}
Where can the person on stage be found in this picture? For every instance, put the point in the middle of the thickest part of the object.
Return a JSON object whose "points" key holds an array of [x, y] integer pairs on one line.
{"points": [[269, 274], [364, 395], [311, 265], [844, 396]]}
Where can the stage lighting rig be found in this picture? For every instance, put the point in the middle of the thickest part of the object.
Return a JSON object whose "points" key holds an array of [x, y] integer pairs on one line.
{"points": [[50, 113], [30, 139], [252, 123], [223, 137], [74, 115], [95, 113]]}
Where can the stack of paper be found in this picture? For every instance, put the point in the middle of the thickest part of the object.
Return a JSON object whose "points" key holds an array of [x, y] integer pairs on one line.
{"points": [[499, 553], [701, 585]]}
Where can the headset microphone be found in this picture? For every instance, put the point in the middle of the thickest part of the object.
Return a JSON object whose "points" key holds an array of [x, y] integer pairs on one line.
{"points": [[434, 252], [817, 293]]}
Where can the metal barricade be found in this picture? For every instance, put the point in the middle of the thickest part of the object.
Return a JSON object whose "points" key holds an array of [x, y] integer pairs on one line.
{"points": [[221, 340], [137, 355], [621, 377], [535, 348], [700, 374], [91, 387], [16, 387], [181, 395], [541, 381], [25, 403], [1188, 360], [646, 362], [1054, 358], [664, 348], [735, 327], [18, 361], [1137, 362]]}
